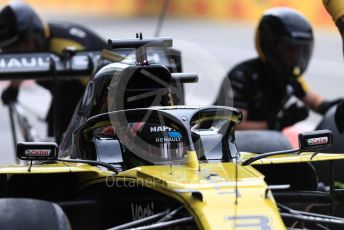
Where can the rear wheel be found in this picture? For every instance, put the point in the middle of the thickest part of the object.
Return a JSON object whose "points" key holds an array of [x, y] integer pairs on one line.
{"points": [[21, 213]]}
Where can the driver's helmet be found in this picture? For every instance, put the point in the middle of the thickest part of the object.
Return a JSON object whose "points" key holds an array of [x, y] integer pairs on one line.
{"points": [[140, 87], [21, 29], [153, 143], [284, 40]]}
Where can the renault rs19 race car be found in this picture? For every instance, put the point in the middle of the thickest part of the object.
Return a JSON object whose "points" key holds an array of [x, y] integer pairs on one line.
{"points": [[129, 161]]}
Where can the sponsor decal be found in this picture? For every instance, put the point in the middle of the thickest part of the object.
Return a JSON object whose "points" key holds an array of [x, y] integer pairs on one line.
{"points": [[77, 32], [174, 134], [317, 141], [80, 62], [37, 152], [250, 222], [24, 62], [41, 62], [139, 211], [155, 129], [167, 139]]}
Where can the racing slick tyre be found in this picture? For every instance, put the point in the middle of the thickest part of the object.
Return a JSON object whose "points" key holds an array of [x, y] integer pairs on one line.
{"points": [[261, 141], [22, 213]]}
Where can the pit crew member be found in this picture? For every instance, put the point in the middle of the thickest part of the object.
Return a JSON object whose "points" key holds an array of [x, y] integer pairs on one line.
{"points": [[262, 86], [336, 9], [23, 30]]}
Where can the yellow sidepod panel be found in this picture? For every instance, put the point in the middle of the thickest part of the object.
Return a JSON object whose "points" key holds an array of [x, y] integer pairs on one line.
{"points": [[210, 194]]}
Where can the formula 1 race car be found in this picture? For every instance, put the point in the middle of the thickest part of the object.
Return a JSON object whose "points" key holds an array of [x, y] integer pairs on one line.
{"points": [[132, 159]]}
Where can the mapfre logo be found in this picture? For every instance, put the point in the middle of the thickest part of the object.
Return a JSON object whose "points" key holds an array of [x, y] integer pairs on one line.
{"points": [[157, 129]]}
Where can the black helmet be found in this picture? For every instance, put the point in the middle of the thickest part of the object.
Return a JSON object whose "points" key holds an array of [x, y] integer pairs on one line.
{"points": [[19, 23], [284, 40], [140, 87]]}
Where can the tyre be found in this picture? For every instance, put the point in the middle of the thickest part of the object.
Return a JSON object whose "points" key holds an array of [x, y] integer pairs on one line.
{"points": [[21, 213]]}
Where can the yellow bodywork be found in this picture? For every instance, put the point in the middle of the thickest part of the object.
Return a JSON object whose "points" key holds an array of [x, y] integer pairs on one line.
{"points": [[219, 208], [218, 195], [293, 158], [208, 191]]}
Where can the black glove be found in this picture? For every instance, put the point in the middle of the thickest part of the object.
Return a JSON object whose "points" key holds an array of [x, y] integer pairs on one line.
{"points": [[339, 116], [288, 116], [9, 95], [326, 105]]}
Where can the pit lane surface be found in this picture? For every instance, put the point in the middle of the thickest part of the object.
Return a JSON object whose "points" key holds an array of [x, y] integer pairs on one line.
{"points": [[211, 49]]}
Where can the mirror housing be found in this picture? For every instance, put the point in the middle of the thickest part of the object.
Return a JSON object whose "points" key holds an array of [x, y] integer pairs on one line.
{"points": [[314, 140], [33, 151]]}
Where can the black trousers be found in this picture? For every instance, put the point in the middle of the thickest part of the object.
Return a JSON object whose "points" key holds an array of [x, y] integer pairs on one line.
{"points": [[69, 93]]}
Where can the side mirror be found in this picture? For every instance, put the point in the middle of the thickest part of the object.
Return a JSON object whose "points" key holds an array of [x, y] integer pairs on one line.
{"points": [[33, 151], [314, 140]]}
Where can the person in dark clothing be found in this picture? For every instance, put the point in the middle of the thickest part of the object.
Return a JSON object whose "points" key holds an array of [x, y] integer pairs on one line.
{"points": [[22, 30], [261, 87], [336, 9]]}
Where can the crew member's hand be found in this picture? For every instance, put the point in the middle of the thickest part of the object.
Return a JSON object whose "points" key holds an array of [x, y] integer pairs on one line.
{"points": [[10, 95], [335, 8], [289, 116], [326, 105], [339, 117]]}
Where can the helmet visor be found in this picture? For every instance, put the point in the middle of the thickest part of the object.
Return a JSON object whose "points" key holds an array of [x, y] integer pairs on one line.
{"points": [[8, 28], [294, 54], [156, 143]]}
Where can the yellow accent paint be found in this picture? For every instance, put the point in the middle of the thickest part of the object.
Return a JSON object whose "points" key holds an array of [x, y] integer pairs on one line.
{"points": [[335, 8], [57, 45], [296, 71], [192, 160], [111, 56], [303, 84], [58, 167], [293, 158]]}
